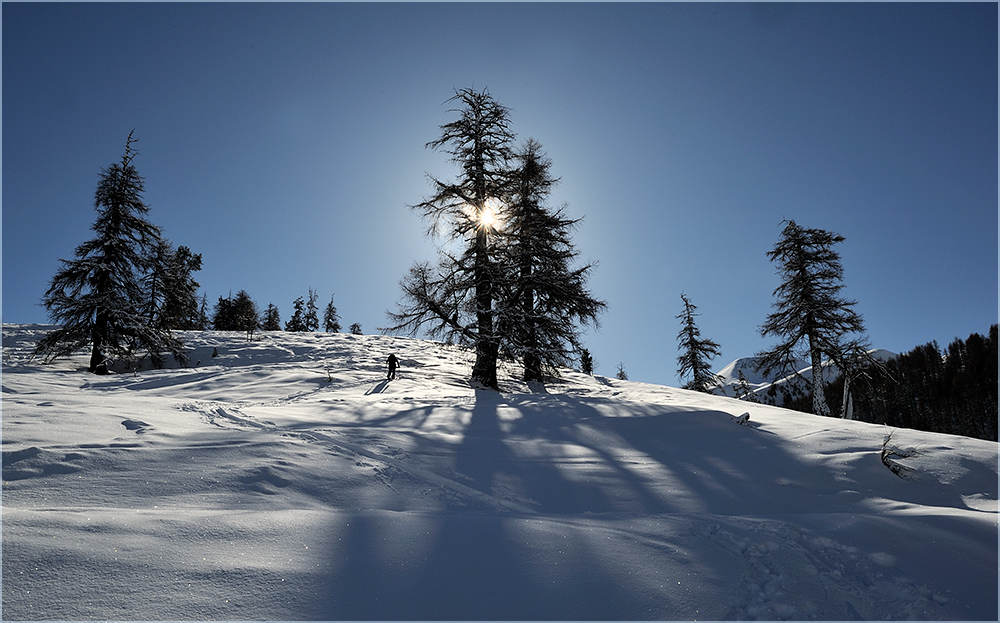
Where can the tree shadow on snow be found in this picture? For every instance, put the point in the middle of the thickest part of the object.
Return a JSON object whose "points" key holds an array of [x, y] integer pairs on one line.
{"points": [[478, 562], [567, 460]]}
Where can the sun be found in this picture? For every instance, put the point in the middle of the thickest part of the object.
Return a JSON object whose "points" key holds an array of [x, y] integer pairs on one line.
{"points": [[489, 216]]}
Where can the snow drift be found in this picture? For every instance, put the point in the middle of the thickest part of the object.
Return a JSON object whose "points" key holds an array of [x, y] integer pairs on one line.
{"points": [[285, 479]]}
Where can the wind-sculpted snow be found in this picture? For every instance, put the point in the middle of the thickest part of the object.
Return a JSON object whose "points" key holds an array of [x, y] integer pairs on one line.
{"points": [[286, 479]]}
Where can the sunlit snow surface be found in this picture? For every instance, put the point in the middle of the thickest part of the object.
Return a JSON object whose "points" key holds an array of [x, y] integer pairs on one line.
{"points": [[284, 479]]}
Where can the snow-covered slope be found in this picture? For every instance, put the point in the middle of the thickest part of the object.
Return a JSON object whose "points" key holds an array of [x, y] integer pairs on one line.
{"points": [[285, 479]]}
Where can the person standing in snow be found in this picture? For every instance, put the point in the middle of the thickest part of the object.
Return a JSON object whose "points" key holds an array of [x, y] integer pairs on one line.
{"points": [[393, 364]]}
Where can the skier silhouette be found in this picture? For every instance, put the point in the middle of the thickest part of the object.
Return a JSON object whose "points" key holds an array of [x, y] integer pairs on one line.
{"points": [[393, 364]]}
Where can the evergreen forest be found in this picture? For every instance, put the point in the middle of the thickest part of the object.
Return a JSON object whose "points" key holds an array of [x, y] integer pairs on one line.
{"points": [[952, 391]]}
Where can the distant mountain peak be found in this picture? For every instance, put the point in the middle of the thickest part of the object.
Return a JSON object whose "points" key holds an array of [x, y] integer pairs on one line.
{"points": [[760, 383]]}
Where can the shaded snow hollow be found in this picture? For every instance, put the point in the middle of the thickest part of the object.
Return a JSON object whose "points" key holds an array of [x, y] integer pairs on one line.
{"points": [[284, 479]]}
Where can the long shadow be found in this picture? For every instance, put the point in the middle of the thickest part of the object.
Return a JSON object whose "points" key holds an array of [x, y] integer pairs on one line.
{"points": [[490, 457], [702, 452], [478, 563], [474, 568], [378, 388], [566, 457], [483, 453]]}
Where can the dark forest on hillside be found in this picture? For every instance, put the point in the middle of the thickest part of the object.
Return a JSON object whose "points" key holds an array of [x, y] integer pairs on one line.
{"points": [[952, 391]]}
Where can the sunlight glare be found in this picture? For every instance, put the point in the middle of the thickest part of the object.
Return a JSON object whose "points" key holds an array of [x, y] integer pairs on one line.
{"points": [[489, 216]]}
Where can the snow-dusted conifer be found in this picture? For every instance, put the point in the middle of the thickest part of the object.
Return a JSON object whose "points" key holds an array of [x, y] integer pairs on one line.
{"points": [[201, 320], [331, 320], [272, 319], [179, 309], [222, 315], [98, 297], [743, 391], [297, 322], [311, 317], [809, 312], [154, 286], [245, 315], [237, 314], [696, 352]]}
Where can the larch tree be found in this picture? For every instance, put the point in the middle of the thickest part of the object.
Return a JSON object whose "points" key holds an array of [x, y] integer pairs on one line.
{"points": [[98, 298], [456, 298], [809, 314], [696, 352], [543, 298]]}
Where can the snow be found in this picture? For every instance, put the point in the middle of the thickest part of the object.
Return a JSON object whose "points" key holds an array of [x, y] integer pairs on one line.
{"points": [[285, 479]]}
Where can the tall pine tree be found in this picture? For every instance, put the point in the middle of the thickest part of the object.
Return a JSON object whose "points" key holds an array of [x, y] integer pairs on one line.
{"points": [[441, 299], [178, 291], [542, 298], [810, 315], [311, 318], [331, 319], [245, 315], [297, 322], [272, 319], [696, 352], [98, 298]]}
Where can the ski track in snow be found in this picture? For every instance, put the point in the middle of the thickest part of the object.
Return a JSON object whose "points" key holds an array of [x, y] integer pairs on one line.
{"points": [[588, 498]]}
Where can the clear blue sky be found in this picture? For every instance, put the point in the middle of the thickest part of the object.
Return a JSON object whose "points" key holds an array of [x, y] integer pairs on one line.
{"points": [[285, 142]]}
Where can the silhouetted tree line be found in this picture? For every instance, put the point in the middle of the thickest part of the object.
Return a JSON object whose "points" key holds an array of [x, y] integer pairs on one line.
{"points": [[954, 391], [241, 314]]}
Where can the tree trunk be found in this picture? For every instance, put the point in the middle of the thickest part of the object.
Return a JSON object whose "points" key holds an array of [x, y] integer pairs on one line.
{"points": [[97, 337], [532, 362], [484, 371], [532, 367], [847, 405], [819, 399]]}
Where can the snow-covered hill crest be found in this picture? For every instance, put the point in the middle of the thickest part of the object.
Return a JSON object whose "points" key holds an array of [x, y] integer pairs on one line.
{"points": [[286, 479]]}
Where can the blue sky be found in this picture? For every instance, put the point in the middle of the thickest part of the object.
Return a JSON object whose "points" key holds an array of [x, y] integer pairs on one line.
{"points": [[285, 142]]}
